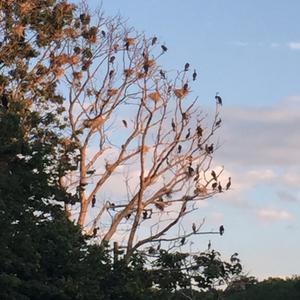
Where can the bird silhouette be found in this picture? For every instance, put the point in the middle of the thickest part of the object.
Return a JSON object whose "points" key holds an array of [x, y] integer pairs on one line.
{"points": [[213, 174], [162, 74], [164, 48], [111, 73], [228, 183], [194, 75], [112, 59], [182, 241], [179, 149], [103, 33], [188, 133], [214, 185], [221, 230], [173, 125], [186, 67], [220, 187], [218, 123], [209, 149], [199, 131], [124, 123], [154, 40], [93, 201], [194, 228], [185, 87], [191, 171], [209, 245], [218, 99], [145, 214]]}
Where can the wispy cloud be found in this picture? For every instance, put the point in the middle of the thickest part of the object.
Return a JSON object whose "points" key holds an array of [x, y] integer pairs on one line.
{"points": [[294, 45], [271, 215]]}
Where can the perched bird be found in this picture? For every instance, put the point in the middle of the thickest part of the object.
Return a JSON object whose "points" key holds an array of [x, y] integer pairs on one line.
{"points": [[209, 245], [179, 149], [188, 133], [173, 125], [194, 75], [194, 228], [93, 201], [162, 74], [158, 247], [191, 171], [154, 40], [221, 230], [111, 73], [4, 100], [218, 123], [220, 187], [213, 174], [214, 185], [103, 33], [95, 230], [124, 123], [228, 183], [182, 241], [218, 99], [128, 216], [145, 214], [186, 67], [199, 131], [185, 87], [112, 59], [209, 149], [164, 48]]}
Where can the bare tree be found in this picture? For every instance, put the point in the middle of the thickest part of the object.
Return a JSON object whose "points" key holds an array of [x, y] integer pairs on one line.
{"points": [[144, 146]]}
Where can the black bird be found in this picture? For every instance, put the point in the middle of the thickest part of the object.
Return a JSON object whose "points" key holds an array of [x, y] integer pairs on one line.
{"points": [[179, 149], [209, 245], [164, 48], [194, 75], [162, 74], [214, 185], [182, 241], [221, 230], [158, 247], [103, 33], [209, 149], [186, 67], [125, 123], [218, 98], [146, 68], [191, 171], [220, 187], [154, 40], [228, 183], [199, 131], [218, 123], [185, 87], [145, 215], [213, 174], [188, 133], [194, 228], [128, 216], [111, 73], [93, 201], [173, 125], [95, 230], [4, 101], [112, 58]]}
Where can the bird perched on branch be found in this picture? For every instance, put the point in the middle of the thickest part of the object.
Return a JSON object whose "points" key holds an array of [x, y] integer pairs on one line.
{"points": [[182, 241], [194, 228], [218, 99], [186, 67], [194, 75], [188, 133], [218, 123], [124, 123], [220, 187], [162, 74], [164, 48], [179, 149], [154, 40], [209, 149], [228, 183], [213, 174], [93, 201], [221, 230], [173, 125]]}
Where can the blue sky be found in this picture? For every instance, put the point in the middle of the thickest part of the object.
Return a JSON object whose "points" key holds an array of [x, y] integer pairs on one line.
{"points": [[249, 51]]}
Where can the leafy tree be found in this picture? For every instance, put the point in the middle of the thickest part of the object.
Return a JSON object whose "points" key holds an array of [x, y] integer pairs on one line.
{"points": [[128, 118]]}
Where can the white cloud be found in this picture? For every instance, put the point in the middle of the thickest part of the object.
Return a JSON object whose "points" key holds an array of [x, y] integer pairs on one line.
{"points": [[294, 45], [271, 215]]}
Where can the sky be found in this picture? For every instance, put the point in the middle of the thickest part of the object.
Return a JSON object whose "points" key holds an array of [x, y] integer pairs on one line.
{"points": [[249, 51]]}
